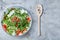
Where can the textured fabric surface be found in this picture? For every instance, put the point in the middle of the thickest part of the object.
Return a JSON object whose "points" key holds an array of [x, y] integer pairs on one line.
{"points": [[50, 20]]}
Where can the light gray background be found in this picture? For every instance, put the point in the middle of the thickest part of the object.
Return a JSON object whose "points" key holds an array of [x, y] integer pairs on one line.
{"points": [[50, 20]]}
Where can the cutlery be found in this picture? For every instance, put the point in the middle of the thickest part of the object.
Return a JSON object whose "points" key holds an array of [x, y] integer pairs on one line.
{"points": [[39, 13]]}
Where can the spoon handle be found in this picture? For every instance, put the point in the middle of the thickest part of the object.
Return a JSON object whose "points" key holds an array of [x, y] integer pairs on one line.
{"points": [[39, 27]]}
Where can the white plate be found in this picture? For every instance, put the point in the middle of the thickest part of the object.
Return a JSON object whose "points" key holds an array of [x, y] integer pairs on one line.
{"points": [[17, 6]]}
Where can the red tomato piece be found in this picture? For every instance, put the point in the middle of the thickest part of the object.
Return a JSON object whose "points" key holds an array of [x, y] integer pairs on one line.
{"points": [[5, 27], [17, 32], [17, 20], [28, 19], [14, 19]]}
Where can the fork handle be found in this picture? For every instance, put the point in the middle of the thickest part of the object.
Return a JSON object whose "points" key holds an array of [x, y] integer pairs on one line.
{"points": [[39, 27]]}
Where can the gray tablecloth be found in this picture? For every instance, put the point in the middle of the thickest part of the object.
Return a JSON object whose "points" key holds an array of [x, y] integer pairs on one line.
{"points": [[50, 20]]}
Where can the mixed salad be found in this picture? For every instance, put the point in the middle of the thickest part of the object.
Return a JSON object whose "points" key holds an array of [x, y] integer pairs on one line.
{"points": [[16, 21]]}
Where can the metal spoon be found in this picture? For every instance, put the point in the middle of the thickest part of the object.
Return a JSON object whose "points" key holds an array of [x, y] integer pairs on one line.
{"points": [[39, 13]]}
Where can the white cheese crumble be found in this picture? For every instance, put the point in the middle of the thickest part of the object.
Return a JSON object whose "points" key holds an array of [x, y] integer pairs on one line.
{"points": [[10, 13], [26, 27], [13, 33], [26, 12], [22, 11]]}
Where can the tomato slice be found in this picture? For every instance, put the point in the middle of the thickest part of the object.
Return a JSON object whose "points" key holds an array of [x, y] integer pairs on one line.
{"points": [[5, 27]]}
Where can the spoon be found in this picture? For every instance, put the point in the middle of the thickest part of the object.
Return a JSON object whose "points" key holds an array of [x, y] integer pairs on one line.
{"points": [[39, 13]]}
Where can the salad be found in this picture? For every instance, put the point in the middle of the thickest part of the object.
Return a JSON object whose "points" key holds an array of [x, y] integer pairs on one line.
{"points": [[16, 21]]}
